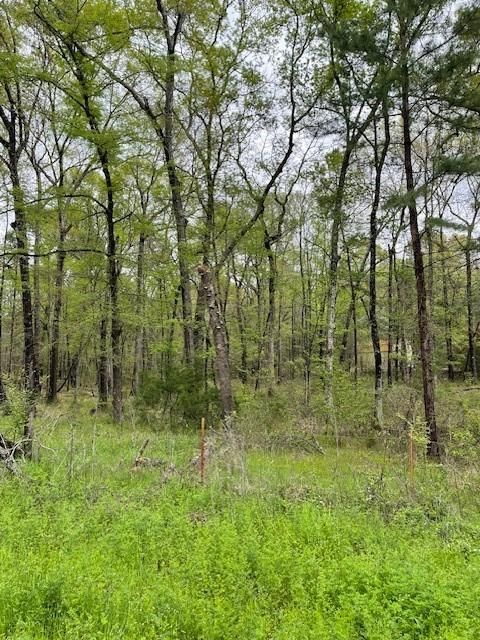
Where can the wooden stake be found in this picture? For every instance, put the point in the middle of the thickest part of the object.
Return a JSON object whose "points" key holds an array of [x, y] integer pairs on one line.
{"points": [[202, 451]]}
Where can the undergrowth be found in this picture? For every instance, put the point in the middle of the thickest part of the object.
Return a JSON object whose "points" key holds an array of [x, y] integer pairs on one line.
{"points": [[279, 543]]}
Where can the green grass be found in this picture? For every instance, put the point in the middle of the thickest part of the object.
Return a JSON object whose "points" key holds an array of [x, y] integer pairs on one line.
{"points": [[279, 545]]}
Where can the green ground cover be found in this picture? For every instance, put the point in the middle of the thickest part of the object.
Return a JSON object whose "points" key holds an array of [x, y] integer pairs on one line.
{"points": [[278, 544]]}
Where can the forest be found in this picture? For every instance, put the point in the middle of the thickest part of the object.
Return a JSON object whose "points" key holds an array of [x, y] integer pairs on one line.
{"points": [[239, 312]]}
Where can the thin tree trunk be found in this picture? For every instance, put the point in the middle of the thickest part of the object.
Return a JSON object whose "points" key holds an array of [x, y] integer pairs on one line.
{"points": [[31, 373], [57, 310], [391, 325], [377, 352], [472, 359], [2, 287], [113, 265], [332, 283], [167, 139], [258, 364], [423, 317], [140, 309], [271, 315], [402, 368], [13, 315], [37, 324], [306, 281], [346, 333], [447, 314], [171, 333], [103, 365], [243, 373], [30, 363], [278, 344], [354, 286], [293, 342], [353, 307]]}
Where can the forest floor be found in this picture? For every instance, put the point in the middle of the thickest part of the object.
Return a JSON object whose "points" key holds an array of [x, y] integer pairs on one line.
{"points": [[280, 542]]}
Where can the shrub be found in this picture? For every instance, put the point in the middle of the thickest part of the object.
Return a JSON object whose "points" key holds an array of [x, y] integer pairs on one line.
{"points": [[179, 393]]}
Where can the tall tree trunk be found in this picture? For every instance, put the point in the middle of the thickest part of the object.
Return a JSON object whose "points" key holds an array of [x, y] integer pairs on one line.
{"points": [[306, 320], [37, 323], [2, 287], [243, 372], [116, 329], [168, 143], [472, 359], [447, 313], [353, 306], [200, 327], [140, 309], [103, 365], [293, 341], [271, 315], [113, 265], [354, 286], [222, 366], [391, 323], [171, 332], [332, 283], [30, 363], [258, 363], [13, 316], [377, 352], [57, 310], [31, 372], [278, 344], [433, 448], [342, 358]]}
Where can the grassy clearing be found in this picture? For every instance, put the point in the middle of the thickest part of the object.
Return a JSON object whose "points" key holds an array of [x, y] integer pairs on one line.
{"points": [[277, 545]]}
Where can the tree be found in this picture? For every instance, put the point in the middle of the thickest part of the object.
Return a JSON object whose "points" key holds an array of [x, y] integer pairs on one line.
{"points": [[57, 18], [15, 117], [412, 24], [354, 98]]}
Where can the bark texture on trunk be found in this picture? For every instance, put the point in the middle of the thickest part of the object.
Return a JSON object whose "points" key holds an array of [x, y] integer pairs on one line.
{"points": [[57, 310], [167, 139], [391, 322], [269, 357], [375, 334], [138, 362], [241, 322], [447, 313], [331, 303], [472, 357], [217, 327], [103, 365], [424, 331], [2, 286], [31, 370], [32, 377]]}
